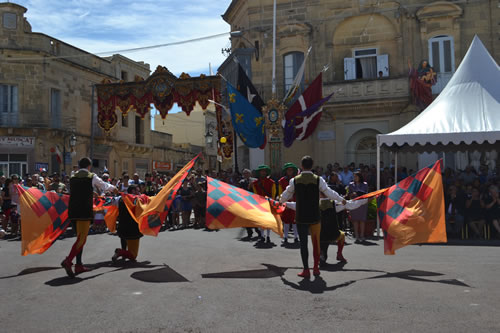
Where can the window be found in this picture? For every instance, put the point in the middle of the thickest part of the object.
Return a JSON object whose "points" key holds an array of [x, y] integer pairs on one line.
{"points": [[139, 130], [366, 64], [441, 54], [291, 65], [125, 120], [442, 59], [55, 108], [8, 105], [124, 76], [14, 164], [10, 21]]}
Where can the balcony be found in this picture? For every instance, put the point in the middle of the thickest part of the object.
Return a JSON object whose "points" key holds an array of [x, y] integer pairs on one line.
{"points": [[363, 90]]}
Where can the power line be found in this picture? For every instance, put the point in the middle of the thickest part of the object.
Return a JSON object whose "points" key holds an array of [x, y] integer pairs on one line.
{"points": [[136, 49]]}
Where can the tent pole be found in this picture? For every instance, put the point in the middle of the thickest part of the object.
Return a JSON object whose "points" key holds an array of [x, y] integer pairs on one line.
{"points": [[444, 160], [378, 182], [396, 167]]}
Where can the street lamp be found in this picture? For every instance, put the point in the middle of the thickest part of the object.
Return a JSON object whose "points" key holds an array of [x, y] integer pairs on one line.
{"points": [[239, 34]]}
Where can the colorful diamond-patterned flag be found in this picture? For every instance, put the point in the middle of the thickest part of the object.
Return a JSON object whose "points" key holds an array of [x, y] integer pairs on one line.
{"points": [[233, 207], [44, 218], [412, 211], [149, 212]]}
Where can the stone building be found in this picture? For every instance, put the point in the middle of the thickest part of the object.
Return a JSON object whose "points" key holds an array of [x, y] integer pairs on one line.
{"points": [[47, 111], [196, 130], [366, 44]]}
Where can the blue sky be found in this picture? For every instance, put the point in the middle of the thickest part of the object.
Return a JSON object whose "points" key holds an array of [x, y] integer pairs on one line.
{"points": [[106, 25]]}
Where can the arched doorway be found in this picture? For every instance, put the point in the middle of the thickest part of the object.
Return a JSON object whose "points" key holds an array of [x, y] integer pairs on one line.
{"points": [[362, 147]]}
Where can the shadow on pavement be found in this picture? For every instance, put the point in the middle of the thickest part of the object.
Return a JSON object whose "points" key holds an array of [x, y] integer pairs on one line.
{"points": [[30, 271], [416, 275], [165, 274], [315, 286], [318, 285], [264, 245], [291, 245], [269, 272], [121, 265]]}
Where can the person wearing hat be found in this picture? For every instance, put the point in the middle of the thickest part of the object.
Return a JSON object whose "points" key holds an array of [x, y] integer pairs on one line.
{"points": [[306, 188], [246, 184], [265, 187], [288, 217]]}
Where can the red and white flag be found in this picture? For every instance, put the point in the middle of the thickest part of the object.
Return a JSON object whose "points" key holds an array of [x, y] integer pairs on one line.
{"points": [[57, 151], [304, 115]]}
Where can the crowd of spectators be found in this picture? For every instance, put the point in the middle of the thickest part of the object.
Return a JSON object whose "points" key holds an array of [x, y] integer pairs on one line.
{"points": [[472, 201]]}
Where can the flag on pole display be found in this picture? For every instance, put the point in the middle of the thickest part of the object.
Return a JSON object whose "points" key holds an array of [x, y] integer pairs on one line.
{"points": [[412, 211], [232, 207], [304, 115], [248, 90], [297, 81], [248, 122]]}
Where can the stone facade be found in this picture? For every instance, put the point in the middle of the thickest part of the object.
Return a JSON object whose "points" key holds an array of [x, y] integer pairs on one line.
{"points": [[47, 95], [192, 130], [340, 33]]}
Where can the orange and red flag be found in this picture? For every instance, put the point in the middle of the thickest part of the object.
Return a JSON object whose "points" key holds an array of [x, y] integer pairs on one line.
{"points": [[149, 212], [232, 207], [412, 211]]}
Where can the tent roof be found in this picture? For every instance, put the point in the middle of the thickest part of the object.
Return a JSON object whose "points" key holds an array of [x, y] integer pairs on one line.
{"points": [[467, 110]]}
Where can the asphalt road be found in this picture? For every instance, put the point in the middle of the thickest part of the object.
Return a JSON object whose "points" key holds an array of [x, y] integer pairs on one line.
{"points": [[197, 281]]}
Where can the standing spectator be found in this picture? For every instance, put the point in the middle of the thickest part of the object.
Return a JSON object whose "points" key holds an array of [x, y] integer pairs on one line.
{"points": [[491, 205], [455, 215], [124, 182], [56, 185], [468, 176], [151, 187], [135, 179], [358, 216], [6, 203], [186, 193], [200, 205], [346, 176], [473, 212], [245, 183]]}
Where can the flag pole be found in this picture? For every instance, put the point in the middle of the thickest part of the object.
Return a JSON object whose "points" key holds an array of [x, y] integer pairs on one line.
{"points": [[378, 181], [274, 50]]}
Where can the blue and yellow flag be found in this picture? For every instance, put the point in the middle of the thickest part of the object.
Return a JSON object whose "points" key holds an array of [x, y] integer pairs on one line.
{"points": [[247, 120]]}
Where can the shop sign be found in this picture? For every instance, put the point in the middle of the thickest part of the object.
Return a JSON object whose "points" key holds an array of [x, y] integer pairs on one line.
{"points": [[162, 166], [326, 135], [40, 166], [17, 141]]}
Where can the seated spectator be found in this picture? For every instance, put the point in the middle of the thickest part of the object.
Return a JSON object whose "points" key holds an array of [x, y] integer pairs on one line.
{"points": [[474, 213], [491, 204], [454, 211]]}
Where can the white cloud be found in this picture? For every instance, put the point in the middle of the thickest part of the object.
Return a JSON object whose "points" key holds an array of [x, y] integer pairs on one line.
{"points": [[105, 25]]}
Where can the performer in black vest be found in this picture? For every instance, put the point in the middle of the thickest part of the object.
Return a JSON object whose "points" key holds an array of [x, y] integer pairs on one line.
{"points": [[128, 230], [81, 211], [330, 231], [306, 187]]}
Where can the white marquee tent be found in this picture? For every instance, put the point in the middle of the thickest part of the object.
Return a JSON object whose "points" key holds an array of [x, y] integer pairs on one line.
{"points": [[466, 113]]}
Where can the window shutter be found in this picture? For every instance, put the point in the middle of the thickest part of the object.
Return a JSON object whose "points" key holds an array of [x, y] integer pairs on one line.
{"points": [[383, 64], [349, 68]]}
